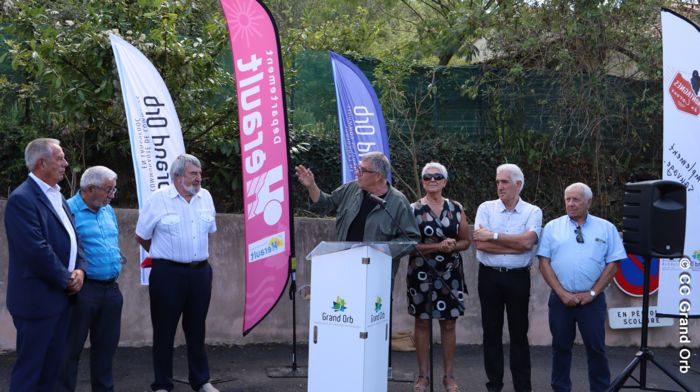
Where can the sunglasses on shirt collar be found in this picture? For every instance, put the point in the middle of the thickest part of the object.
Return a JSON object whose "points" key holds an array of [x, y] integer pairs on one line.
{"points": [[579, 234]]}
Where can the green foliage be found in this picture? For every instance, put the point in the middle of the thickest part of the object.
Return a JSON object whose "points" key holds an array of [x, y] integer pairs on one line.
{"points": [[568, 90], [67, 85], [444, 29], [591, 71], [471, 166], [407, 111], [339, 25]]}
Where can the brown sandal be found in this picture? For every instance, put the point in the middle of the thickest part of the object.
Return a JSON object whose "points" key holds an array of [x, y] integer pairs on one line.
{"points": [[453, 387], [418, 387]]}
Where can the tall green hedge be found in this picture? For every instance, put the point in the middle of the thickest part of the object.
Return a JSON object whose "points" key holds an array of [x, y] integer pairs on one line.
{"points": [[472, 163]]}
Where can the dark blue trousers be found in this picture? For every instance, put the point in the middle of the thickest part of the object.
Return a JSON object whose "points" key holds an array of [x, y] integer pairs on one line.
{"points": [[40, 351], [97, 311], [179, 291], [507, 292], [590, 319]]}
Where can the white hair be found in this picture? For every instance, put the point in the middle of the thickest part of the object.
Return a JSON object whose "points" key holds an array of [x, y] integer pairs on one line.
{"points": [[434, 165], [177, 168], [515, 174], [585, 189], [38, 149], [96, 176]]}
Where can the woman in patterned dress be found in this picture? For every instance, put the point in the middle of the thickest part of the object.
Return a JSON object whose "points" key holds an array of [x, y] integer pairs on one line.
{"points": [[444, 233]]}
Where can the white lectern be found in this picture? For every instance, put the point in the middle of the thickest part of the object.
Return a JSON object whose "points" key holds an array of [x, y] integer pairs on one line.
{"points": [[349, 315]]}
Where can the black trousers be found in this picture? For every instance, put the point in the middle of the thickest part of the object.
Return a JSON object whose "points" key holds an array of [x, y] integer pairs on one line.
{"points": [[179, 291], [40, 351], [507, 291], [97, 312]]}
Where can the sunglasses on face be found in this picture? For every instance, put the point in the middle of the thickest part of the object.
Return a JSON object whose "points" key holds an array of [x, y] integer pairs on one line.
{"points": [[579, 235], [433, 176]]}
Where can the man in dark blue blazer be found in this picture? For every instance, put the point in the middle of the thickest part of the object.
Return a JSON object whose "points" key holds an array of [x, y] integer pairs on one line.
{"points": [[45, 267]]}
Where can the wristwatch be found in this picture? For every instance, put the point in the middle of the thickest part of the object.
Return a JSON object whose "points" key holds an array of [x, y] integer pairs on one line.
{"points": [[592, 293], [495, 236]]}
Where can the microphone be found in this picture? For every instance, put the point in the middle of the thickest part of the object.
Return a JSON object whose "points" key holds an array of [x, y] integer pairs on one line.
{"points": [[377, 199]]}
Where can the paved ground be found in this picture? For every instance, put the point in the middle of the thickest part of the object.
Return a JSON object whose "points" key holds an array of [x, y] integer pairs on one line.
{"points": [[243, 368]]}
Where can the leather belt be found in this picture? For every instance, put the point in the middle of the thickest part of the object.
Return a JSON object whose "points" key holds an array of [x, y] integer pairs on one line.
{"points": [[105, 282], [191, 264], [504, 269]]}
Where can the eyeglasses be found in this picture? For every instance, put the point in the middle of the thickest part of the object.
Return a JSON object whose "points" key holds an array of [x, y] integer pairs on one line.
{"points": [[433, 176], [361, 171], [111, 191], [579, 235]]}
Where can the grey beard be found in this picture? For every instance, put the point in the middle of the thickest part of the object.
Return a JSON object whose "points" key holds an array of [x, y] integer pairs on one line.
{"points": [[192, 190]]}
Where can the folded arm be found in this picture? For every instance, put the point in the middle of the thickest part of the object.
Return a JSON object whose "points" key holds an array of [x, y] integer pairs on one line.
{"points": [[506, 243]]}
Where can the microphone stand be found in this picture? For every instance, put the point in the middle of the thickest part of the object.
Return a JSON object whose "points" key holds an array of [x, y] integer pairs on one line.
{"points": [[433, 274]]}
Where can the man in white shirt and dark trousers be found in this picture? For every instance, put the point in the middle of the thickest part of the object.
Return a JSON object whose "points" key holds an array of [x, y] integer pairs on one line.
{"points": [[174, 226], [506, 231]]}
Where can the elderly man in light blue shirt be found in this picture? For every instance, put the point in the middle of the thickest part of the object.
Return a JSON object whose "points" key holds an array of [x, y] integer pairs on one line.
{"points": [[579, 256]]}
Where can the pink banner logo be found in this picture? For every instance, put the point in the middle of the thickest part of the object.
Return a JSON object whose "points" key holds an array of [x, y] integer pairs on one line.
{"points": [[265, 201], [683, 96], [263, 133]]}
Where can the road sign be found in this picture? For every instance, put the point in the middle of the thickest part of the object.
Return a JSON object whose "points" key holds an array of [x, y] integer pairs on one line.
{"points": [[630, 276]]}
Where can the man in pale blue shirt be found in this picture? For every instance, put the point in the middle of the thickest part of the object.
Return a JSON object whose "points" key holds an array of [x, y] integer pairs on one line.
{"points": [[506, 231], [98, 305], [579, 255]]}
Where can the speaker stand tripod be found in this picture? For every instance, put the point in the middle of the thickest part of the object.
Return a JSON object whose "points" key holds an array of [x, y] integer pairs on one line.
{"points": [[644, 354]]}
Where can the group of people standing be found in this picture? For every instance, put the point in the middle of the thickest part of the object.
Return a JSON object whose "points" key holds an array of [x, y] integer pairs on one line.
{"points": [[65, 259], [578, 256]]}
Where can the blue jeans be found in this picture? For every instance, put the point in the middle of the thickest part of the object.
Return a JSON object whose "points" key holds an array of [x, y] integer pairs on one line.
{"points": [[97, 311], [590, 319]]}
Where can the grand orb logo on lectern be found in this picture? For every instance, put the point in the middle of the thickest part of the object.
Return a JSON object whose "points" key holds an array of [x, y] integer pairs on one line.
{"points": [[339, 304], [338, 316], [378, 315]]}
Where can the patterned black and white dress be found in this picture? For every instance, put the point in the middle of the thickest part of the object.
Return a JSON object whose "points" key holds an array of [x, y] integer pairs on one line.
{"points": [[449, 265]]}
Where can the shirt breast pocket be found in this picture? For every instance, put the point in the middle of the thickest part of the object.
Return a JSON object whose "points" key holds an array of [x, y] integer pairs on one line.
{"points": [[599, 250], [206, 220], [171, 224]]}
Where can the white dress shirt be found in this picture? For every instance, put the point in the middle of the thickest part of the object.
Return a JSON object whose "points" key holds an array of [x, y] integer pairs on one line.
{"points": [[178, 230], [494, 216], [53, 193]]}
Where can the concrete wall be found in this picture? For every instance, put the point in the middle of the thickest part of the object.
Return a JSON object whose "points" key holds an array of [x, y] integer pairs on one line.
{"points": [[226, 310]]}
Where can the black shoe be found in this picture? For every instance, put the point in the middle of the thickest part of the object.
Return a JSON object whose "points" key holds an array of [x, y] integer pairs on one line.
{"points": [[493, 388]]}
